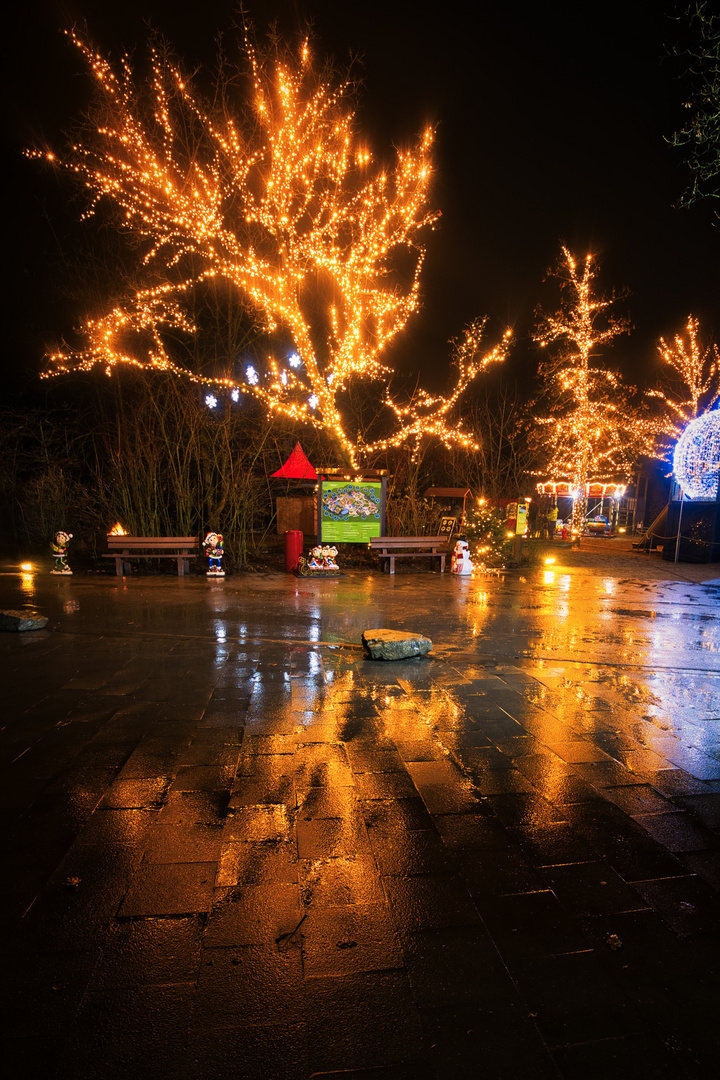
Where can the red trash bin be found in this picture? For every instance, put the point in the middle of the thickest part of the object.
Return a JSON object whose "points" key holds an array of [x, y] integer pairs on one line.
{"points": [[293, 549]]}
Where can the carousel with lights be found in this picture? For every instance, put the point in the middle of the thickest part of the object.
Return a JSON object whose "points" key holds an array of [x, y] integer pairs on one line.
{"points": [[601, 501]]}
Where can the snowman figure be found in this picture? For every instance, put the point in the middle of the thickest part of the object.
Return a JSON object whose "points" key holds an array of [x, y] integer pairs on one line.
{"points": [[213, 544], [460, 563], [59, 551]]}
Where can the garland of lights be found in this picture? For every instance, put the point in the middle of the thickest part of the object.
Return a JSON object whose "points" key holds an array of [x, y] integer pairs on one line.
{"points": [[696, 461], [593, 490], [284, 202]]}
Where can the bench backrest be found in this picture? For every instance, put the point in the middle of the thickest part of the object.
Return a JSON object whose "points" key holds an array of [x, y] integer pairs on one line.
{"points": [[118, 543], [408, 541]]}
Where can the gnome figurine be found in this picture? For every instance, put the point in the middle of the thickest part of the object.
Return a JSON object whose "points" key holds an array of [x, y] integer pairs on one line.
{"points": [[329, 558], [213, 544], [59, 550]]}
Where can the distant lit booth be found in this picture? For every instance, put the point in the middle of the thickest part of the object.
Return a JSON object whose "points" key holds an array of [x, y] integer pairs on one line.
{"points": [[604, 504]]}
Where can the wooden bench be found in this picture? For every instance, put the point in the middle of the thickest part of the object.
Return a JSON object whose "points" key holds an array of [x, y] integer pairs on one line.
{"points": [[410, 547], [124, 548]]}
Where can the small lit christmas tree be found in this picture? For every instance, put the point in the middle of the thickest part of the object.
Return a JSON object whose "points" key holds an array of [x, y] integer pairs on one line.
{"points": [[488, 537]]}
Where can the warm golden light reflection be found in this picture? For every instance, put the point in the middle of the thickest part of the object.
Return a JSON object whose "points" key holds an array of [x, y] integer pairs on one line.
{"points": [[550, 561], [27, 584], [283, 201], [26, 566], [549, 577]]}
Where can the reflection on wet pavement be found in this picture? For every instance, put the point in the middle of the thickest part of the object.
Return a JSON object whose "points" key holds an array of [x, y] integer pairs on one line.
{"points": [[232, 838]]}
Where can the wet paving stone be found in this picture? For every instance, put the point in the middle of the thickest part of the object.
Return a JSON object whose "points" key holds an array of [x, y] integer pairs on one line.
{"points": [[349, 939], [706, 864], [443, 788], [592, 888], [152, 950], [184, 844], [75, 906], [253, 915], [677, 832], [384, 785], [274, 1050], [248, 985], [47, 982], [243, 862], [455, 964], [136, 794], [629, 1055], [340, 881], [362, 1021], [169, 889], [688, 904], [258, 824], [575, 1001], [638, 799], [327, 838], [553, 843], [702, 808], [121, 826], [195, 808], [500, 1039], [154, 1015], [387, 815], [420, 851], [204, 777], [521, 809], [429, 902]]}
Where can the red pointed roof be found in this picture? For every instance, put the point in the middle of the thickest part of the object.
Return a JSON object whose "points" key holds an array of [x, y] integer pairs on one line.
{"points": [[297, 467]]}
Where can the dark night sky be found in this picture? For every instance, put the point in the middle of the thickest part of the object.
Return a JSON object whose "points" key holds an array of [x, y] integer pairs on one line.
{"points": [[551, 120]]}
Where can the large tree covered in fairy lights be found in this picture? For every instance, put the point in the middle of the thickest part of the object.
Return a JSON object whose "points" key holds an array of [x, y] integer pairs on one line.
{"points": [[268, 187], [592, 431]]}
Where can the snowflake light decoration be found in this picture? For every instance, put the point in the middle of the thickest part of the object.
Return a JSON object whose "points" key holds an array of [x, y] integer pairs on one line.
{"points": [[696, 461]]}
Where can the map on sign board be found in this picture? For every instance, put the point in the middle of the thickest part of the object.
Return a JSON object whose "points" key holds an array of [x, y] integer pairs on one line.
{"points": [[350, 513]]}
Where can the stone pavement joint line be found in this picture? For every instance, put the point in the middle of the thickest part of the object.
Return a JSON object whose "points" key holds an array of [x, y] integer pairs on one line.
{"points": [[233, 853]]}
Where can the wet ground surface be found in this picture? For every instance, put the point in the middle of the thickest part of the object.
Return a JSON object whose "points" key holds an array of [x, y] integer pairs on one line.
{"points": [[234, 848]]}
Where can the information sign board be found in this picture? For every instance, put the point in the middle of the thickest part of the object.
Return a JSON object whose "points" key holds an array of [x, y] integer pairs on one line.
{"points": [[350, 512]]}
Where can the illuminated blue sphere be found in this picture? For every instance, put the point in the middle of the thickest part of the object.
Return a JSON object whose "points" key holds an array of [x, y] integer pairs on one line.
{"points": [[696, 461]]}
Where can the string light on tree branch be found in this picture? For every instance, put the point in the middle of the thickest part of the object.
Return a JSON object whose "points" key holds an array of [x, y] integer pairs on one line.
{"points": [[593, 432], [690, 383], [282, 201]]}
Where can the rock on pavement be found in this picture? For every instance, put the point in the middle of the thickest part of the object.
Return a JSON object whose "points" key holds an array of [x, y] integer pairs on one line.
{"points": [[395, 644], [22, 620]]}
